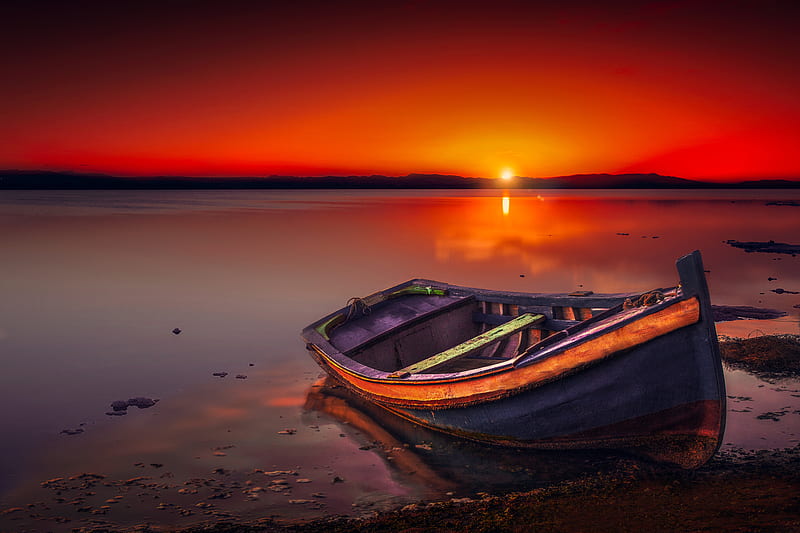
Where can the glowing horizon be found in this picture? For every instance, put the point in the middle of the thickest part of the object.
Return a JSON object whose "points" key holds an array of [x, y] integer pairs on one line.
{"points": [[441, 88]]}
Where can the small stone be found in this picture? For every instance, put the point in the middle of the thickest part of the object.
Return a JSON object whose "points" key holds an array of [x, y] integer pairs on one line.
{"points": [[241, 376], [287, 431], [337, 479], [77, 431], [220, 374], [119, 405], [141, 402], [302, 480], [176, 331]]}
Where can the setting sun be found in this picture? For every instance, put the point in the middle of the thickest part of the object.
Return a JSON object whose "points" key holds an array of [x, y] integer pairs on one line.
{"points": [[506, 174]]}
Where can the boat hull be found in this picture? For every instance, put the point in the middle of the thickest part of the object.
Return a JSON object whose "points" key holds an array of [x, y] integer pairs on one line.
{"points": [[645, 378], [623, 403]]}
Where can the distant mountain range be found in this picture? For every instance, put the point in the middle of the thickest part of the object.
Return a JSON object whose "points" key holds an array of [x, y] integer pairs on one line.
{"points": [[26, 179]]}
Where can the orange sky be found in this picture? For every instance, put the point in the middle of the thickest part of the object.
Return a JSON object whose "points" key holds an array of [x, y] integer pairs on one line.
{"points": [[698, 89]]}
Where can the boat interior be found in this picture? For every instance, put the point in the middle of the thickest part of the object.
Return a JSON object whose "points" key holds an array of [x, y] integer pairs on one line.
{"points": [[459, 330]]}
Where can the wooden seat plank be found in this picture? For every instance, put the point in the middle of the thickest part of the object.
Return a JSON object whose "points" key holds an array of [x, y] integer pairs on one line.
{"points": [[476, 343]]}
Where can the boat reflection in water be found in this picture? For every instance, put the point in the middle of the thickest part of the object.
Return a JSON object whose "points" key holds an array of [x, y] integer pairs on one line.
{"points": [[439, 464]]}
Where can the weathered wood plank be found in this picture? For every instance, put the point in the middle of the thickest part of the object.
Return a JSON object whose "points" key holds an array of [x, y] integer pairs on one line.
{"points": [[472, 345]]}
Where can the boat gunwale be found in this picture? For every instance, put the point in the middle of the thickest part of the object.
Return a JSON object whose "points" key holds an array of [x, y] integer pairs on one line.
{"points": [[367, 373]]}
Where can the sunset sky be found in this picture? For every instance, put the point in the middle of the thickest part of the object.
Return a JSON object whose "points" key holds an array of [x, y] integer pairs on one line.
{"points": [[699, 89]]}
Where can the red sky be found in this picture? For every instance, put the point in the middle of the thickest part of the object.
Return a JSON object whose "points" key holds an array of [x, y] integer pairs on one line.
{"points": [[699, 89]]}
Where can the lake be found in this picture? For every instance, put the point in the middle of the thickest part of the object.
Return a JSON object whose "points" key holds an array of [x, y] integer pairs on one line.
{"points": [[94, 282]]}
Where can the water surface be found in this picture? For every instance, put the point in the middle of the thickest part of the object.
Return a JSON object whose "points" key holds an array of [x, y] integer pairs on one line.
{"points": [[93, 283]]}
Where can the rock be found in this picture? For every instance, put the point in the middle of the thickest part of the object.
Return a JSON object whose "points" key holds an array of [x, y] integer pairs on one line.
{"points": [[141, 402], [725, 313], [784, 291], [770, 247], [288, 431], [119, 405], [241, 376], [220, 374], [176, 331]]}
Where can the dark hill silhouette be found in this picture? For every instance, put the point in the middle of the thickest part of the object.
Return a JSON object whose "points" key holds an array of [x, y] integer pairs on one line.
{"points": [[27, 179]]}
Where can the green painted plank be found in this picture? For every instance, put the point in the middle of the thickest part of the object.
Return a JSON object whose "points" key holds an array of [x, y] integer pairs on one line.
{"points": [[473, 344]]}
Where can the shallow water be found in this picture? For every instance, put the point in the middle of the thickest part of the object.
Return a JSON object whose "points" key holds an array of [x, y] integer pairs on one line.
{"points": [[93, 282]]}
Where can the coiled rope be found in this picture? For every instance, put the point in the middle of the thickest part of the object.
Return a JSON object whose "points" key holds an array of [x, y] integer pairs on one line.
{"points": [[645, 300], [357, 305]]}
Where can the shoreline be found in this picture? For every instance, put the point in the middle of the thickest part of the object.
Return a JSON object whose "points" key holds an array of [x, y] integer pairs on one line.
{"points": [[736, 491]]}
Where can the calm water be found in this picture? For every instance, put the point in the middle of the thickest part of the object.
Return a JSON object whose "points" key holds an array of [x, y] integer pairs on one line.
{"points": [[93, 283]]}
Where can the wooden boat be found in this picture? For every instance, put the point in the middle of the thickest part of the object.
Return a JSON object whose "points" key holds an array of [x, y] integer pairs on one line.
{"points": [[638, 372]]}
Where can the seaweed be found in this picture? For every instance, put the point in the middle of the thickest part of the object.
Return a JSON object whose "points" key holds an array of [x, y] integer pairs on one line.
{"points": [[767, 356]]}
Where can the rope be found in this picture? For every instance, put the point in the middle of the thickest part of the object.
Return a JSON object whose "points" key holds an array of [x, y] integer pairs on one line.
{"points": [[645, 300], [357, 305]]}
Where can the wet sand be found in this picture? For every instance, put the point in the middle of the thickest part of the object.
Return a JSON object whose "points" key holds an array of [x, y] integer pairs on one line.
{"points": [[735, 491]]}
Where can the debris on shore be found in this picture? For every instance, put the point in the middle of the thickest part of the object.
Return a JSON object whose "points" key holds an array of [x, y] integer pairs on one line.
{"points": [[770, 247]]}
